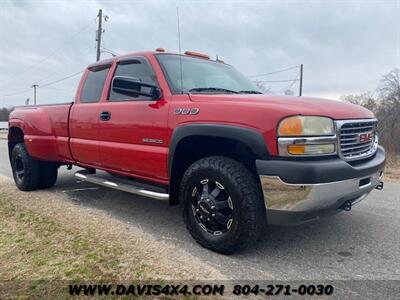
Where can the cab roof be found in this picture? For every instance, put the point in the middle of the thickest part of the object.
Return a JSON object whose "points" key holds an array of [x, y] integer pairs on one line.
{"points": [[109, 61]]}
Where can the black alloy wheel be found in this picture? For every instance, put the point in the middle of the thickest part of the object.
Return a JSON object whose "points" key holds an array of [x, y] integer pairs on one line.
{"points": [[212, 207], [223, 205]]}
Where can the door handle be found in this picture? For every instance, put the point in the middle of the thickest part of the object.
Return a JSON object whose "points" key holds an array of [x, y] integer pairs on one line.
{"points": [[105, 116]]}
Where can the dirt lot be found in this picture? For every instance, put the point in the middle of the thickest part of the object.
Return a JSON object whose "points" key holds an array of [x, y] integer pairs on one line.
{"points": [[42, 238], [392, 169]]}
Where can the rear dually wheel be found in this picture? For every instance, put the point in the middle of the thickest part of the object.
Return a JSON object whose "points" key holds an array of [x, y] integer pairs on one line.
{"points": [[26, 170], [29, 173]]}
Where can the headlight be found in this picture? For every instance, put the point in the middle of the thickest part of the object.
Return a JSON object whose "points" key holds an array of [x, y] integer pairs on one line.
{"points": [[305, 126], [306, 136]]}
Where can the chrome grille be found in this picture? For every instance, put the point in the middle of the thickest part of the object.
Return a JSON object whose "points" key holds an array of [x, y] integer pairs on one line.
{"points": [[357, 138]]}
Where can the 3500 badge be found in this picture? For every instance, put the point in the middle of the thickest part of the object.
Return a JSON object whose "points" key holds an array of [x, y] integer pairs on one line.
{"points": [[186, 111]]}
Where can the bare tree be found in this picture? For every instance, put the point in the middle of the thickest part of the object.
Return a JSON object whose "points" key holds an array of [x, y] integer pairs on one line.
{"points": [[4, 113], [386, 106], [390, 87], [366, 99], [388, 111]]}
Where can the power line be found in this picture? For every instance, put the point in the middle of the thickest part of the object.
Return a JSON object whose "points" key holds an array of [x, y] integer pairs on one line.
{"points": [[280, 80], [57, 89], [299, 77], [14, 90], [42, 86], [61, 79], [113, 53], [274, 72], [49, 55], [25, 90], [15, 94], [293, 82]]}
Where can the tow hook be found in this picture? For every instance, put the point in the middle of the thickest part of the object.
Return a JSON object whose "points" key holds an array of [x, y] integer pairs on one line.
{"points": [[347, 206], [379, 186]]}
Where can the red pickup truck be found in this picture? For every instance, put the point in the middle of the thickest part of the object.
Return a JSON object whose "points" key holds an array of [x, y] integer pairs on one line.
{"points": [[196, 132]]}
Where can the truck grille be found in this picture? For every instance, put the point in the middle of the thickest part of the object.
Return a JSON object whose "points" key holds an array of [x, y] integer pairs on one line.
{"points": [[357, 138]]}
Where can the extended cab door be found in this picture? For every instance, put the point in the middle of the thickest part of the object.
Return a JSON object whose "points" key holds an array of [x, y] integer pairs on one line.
{"points": [[85, 115], [134, 139]]}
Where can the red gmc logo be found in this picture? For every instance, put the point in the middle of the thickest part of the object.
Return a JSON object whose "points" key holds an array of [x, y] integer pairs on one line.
{"points": [[365, 137]]}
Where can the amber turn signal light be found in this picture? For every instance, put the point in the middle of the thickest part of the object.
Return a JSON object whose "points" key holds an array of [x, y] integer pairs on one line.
{"points": [[310, 149], [296, 149]]}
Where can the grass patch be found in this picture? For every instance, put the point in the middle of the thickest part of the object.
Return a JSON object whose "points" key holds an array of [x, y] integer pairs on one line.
{"points": [[36, 251], [392, 168], [392, 174]]}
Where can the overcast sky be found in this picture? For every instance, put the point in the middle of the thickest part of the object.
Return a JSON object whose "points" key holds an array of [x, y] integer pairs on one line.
{"points": [[345, 46]]}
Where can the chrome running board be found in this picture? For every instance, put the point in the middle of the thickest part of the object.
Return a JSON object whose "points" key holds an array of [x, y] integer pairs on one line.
{"points": [[124, 185]]}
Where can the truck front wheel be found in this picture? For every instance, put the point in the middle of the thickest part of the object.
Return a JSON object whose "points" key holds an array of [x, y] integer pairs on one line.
{"points": [[222, 204]]}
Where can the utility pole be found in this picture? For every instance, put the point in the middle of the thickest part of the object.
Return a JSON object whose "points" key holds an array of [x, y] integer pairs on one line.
{"points": [[34, 93], [301, 80], [99, 32]]}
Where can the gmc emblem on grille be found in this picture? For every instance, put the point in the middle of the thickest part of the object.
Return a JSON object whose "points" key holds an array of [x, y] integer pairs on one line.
{"points": [[365, 137]]}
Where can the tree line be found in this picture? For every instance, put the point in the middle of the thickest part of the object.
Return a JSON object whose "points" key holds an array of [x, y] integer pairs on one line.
{"points": [[384, 102], [4, 114]]}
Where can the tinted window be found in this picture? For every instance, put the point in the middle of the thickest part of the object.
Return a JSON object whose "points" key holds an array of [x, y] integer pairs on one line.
{"points": [[93, 86], [135, 68], [200, 73]]}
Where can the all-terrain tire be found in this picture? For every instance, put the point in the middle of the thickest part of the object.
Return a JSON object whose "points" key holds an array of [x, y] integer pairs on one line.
{"points": [[48, 174], [26, 169], [248, 213]]}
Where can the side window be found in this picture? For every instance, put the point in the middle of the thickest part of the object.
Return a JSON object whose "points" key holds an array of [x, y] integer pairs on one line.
{"points": [[93, 86], [140, 70]]}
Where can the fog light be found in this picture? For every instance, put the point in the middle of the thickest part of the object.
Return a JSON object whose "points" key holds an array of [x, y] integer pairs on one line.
{"points": [[304, 149]]}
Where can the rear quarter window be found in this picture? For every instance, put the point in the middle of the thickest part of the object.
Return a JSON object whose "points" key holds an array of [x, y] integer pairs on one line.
{"points": [[94, 84]]}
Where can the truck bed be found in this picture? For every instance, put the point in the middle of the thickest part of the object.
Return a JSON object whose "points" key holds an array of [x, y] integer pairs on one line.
{"points": [[46, 129]]}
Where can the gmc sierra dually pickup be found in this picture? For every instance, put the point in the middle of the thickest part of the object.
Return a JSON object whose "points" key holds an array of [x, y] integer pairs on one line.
{"points": [[196, 132]]}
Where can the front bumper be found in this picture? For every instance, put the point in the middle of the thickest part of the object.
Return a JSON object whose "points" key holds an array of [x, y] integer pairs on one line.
{"points": [[300, 191]]}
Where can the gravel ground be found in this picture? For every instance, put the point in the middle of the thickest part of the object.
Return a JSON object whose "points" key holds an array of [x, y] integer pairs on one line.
{"points": [[165, 260]]}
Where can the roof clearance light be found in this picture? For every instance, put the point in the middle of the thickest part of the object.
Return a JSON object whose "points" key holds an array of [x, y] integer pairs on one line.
{"points": [[197, 54], [160, 50]]}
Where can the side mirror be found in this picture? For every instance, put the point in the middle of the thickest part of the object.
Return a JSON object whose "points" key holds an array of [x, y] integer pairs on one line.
{"points": [[131, 86]]}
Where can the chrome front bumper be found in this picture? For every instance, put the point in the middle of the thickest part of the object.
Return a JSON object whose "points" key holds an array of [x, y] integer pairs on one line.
{"points": [[291, 204]]}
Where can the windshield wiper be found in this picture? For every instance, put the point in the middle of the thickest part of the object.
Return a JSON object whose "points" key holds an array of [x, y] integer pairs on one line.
{"points": [[249, 92], [211, 89]]}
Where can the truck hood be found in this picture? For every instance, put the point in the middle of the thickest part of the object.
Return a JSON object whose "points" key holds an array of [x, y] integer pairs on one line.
{"points": [[291, 105]]}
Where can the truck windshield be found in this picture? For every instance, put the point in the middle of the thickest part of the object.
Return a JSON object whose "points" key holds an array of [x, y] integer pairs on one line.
{"points": [[204, 76]]}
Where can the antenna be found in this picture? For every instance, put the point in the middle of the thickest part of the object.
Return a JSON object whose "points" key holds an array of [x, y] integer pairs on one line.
{"points": [[180, 52]]}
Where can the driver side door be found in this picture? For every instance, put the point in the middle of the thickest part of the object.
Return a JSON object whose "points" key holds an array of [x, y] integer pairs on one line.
{"points": [[133, 139]]}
